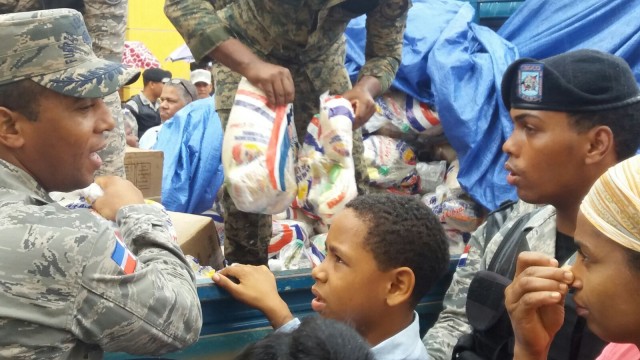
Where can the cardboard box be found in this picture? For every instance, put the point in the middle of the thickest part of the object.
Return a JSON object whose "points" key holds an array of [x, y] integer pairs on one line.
{"points": [[144, 169], [198, 237]]}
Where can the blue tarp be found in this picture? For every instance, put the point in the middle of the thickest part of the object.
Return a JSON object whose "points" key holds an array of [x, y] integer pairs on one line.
{"points": [[543, 28], [192, 144], [456, 65]]}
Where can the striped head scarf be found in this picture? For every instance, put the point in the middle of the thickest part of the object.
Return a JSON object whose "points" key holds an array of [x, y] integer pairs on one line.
{"points": [[613, 203]]}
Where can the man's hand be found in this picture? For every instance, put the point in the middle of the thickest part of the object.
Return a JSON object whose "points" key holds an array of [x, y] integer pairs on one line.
{"points": [[118, 192], [362, 97], [256, 287], [274, 80], [535, 302]]}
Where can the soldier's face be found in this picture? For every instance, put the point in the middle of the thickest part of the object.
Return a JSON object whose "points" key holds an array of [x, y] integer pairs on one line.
{"points": [[546, 157], [60, 146]]}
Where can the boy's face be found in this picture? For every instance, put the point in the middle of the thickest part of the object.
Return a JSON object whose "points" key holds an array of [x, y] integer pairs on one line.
{"points": [[607, 288], [349, 286], [546, 156], [60, 147]]}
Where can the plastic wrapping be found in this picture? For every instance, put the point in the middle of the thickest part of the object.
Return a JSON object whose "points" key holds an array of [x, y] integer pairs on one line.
{"points": [[259, 153], [325, 171]]}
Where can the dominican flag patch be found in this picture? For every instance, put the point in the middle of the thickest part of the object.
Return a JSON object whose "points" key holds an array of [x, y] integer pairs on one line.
{"points": [[123, 257], [463, 258]]}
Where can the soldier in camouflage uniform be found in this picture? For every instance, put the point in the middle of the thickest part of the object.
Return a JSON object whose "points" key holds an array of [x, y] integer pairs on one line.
{"points": [[74, 284], [276, 44], [580, 117], [106, 21]]}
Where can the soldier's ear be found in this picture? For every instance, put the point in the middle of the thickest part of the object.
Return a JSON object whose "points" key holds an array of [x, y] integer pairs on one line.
{"points": [[10, 134]]}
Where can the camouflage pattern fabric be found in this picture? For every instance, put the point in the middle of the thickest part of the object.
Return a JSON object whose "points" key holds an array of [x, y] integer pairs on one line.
{"points": [[311, 45], [106, 21], [64, 297], [452, 322]]}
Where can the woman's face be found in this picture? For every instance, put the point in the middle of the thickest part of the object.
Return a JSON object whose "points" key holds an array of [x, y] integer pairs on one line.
{"points": [[607, 287]]}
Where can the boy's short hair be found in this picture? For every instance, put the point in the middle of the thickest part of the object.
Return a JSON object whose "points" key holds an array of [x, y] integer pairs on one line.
{"points": [[316, 338], [404, 232]]}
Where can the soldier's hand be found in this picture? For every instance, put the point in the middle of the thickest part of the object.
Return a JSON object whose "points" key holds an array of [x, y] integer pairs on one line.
{"points": [[274, 80], [118, 192], [256, 287], [535, 302], [364, 106]]}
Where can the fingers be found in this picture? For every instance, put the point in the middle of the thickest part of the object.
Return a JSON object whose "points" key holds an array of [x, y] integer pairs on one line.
{"points": [[224, 282], [529, 258]]}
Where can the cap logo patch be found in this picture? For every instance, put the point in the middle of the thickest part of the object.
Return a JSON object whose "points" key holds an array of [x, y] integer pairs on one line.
{"points": [[530, 82]]}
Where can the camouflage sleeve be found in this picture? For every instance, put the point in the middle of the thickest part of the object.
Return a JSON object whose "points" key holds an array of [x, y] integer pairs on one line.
{"points": [[452, 322], [150, 308], [106, 21], [385, 28], [199, 25]]}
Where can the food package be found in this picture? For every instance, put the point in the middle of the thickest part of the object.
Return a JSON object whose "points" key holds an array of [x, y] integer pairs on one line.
{"points": [[259, 153], [284, 232], [325, 171], [390, 162], [405, 113]]}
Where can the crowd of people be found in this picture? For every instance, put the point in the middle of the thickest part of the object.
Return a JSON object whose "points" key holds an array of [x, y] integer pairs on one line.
{"points": [[551, 275]]}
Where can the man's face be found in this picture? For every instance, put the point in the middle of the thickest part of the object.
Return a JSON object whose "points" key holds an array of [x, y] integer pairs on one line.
{"points": [[546, 157], [349, 286], [60, 146], [203, 89], [157, 88], [607, 288], [170, 102]]}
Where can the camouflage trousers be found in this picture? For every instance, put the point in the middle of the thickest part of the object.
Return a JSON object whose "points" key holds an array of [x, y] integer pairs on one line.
{"points": [[247, 235], [113, 154]]}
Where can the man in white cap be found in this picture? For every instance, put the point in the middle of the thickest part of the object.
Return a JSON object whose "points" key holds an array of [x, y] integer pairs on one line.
{"points": [[202, 80]]}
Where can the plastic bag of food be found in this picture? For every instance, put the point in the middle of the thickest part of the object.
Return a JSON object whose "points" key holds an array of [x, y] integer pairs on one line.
{"points": [[259, 153], [406, 113], [431, 175], [325, 170], [284, 232], [390, 162]]}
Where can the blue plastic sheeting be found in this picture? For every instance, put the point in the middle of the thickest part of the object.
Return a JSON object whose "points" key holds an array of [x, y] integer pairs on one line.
{"points": [[466, 66], [543, 28], [192, 144], [425, 21]]}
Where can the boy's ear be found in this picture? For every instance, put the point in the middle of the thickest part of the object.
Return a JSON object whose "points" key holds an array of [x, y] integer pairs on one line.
{"points": [[10, 135], [401, 286], [601, 144]]}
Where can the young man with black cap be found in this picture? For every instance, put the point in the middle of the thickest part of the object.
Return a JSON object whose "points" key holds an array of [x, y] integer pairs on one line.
{"points": [[144, 106], [575, 115], [74, 284]]}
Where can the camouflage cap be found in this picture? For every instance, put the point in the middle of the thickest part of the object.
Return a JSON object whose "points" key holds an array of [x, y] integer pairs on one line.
{"points": [[53, 48]]}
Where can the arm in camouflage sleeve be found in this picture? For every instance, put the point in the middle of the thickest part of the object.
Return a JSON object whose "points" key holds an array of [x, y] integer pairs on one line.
{"points": [[452, 322], [106, 22], [197, 22], [153, 310], [385, 29]]}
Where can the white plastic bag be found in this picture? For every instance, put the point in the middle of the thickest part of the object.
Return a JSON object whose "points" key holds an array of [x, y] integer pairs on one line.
{"points": [[259, 153], [325, 169]]}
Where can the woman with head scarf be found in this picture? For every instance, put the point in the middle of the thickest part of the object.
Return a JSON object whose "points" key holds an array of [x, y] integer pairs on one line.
{"points": [[604, 280]]}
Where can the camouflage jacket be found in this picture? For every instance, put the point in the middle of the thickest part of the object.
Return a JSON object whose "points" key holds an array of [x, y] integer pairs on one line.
{"points": [[63, 296], [307, 32], [452, 322]]}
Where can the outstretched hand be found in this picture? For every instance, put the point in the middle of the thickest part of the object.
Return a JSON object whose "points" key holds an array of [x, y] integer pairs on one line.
{"points": [[274, 80], [363, 104], [535, 302], [256, 287]]}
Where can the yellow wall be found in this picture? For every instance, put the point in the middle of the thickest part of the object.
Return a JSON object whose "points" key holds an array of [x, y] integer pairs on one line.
{"points": [[148, 24]]}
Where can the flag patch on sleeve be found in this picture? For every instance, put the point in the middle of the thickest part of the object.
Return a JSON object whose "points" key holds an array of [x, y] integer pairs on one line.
{"points": [[463, 258], [123, 257]]}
